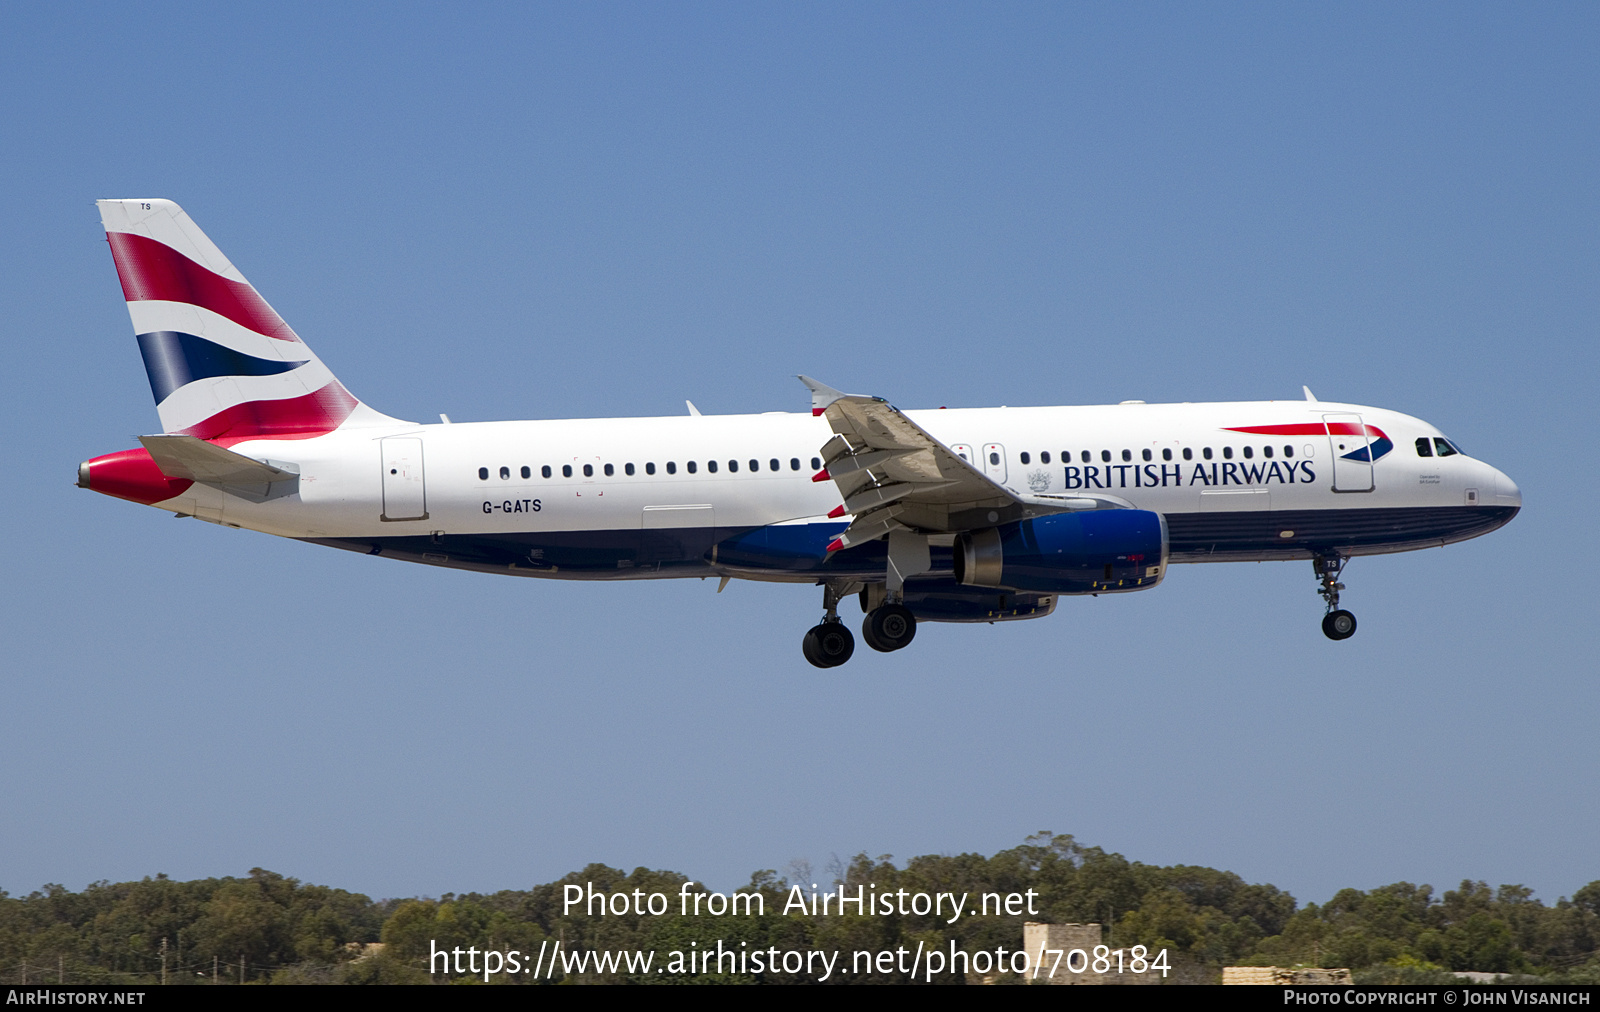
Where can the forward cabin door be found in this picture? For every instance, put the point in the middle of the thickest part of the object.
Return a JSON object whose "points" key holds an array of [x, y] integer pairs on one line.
{"points": [[404, 491], [1352, 453]]}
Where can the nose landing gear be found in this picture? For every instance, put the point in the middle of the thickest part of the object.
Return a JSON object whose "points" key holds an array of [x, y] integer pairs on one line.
{"points": [[1337, 624]]}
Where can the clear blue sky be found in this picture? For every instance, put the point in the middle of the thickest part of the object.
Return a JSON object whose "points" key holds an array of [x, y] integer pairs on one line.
{"points": [[593, 210]]}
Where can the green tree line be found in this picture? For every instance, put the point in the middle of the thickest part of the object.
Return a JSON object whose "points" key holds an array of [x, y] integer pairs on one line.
{"points": [[266, 928]]}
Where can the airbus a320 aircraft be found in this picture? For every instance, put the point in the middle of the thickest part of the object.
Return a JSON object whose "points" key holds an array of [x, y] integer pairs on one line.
{"points": [[978, 515]]}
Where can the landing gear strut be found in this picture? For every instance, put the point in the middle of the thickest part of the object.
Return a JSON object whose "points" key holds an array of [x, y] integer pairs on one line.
{"points": [[1337, 624], [828, 644]]}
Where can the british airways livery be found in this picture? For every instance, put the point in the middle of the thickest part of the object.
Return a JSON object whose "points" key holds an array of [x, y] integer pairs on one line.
{"points": [[975, 515]]}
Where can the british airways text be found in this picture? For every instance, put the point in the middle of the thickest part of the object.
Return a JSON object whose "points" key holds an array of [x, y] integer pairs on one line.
{"points": [[1219, 473]]}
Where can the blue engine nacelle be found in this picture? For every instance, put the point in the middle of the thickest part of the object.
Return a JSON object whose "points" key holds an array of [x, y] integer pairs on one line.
{"points": [[1093, 552]]}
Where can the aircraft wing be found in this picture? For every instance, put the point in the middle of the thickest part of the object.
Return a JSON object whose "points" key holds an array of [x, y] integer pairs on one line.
{"points": [[894, 476]]}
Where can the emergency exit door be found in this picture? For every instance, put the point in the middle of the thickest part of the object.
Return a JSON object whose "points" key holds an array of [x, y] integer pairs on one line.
{"points": [[994, 462]]}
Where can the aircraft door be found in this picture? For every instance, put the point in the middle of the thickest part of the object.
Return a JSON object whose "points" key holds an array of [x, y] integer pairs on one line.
{"points": [[994, 462], [964, 451], [404, 491], [1352, 453]]}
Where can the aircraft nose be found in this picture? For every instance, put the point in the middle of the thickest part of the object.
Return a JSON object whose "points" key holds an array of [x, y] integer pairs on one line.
{"points": [[1506, 492]]}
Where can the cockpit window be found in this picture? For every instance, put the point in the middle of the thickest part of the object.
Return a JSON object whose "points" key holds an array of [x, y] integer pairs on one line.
{"points": [[1445, 449], [1424, 448]]}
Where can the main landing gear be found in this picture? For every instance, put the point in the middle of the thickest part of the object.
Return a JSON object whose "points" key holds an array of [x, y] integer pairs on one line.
{"points": [[828, 644], [1337, 624], [888, 626]]}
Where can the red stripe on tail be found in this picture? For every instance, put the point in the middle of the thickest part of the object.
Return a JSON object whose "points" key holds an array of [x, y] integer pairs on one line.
{"points": [[315, 414], [150, 270]]}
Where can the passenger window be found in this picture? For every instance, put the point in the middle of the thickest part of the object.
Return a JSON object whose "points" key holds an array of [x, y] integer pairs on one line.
{"points": [[650, 468], [566, 470], [1105, 456], [1266, 451], [1086, 456], [1127, 455], [773, 463], [733, 466], [1188, 453], [711, 466], [1044, 457], [794, 463], [483, 474], [588, 470], [1249, 452], [994, 458], [1166, 454], [610, 471], [505, 472], [816, 463], [690, 466], [526, 472], [1024, 457], [1206, 453], [627, 469], [672, 467], [1146, 455], [545, 470], [1227, 453], [1445, 449]]}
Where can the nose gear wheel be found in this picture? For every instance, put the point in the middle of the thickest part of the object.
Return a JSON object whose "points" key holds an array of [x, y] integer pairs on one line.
{"points": [[1337, 624]]}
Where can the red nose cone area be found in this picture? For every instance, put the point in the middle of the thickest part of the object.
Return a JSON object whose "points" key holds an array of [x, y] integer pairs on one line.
{"points": [[130, 474]]}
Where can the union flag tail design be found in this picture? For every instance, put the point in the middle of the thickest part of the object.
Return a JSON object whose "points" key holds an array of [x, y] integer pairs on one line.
{"points": [[222, 365]]}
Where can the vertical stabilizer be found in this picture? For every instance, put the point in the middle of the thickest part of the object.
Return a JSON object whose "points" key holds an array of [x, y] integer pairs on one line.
{"points": [[223, 366]]}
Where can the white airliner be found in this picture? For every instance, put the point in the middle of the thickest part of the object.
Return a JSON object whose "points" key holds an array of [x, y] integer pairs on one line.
{"points": [[976, 515]]}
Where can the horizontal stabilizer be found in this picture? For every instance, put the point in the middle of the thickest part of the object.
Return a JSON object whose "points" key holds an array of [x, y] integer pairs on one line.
{"points": [[197, 460]]}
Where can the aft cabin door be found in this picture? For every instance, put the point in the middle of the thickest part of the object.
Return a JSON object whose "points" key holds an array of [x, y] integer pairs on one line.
{"points": [[404, 492], [1352, 453]]}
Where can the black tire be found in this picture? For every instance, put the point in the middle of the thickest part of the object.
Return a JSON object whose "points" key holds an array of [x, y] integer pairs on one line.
{"points": [[889, 628], [828, 645], [1339, 625]]}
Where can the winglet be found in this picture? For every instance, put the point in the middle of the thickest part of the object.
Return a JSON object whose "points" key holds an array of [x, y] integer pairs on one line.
{"points": [[1309, 395], [693, 411], [822, 395]]}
